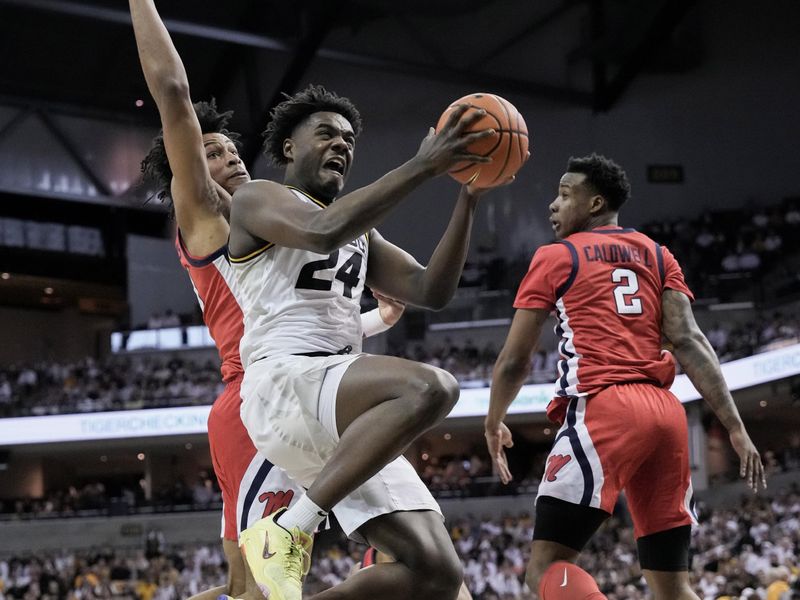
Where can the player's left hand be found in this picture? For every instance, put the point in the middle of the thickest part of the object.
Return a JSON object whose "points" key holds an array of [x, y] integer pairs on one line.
{"points": [[476, 191], [498, 438], [751, 469], [390, 309]]}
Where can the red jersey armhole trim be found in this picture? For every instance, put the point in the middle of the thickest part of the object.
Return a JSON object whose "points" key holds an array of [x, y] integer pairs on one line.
{"points": [[200, 261]]}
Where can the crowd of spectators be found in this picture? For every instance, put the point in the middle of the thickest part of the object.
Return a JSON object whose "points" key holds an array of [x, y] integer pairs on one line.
{"points": [[716, 248], [99, 498], [731, 246], [472, 364], [116, 383], [447, 476], [760, 334], [467, 362], [121, 574], [125, 382], [746, 552], [715, 244], [470, 474], [135, 382], [455, 476]]}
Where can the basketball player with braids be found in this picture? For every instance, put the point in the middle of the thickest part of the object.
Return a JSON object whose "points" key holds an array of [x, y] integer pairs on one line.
{"points": [[335, 419], [615, 292], [195, 163]]}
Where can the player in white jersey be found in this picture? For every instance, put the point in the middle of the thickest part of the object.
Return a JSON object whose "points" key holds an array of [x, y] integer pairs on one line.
{"points": [[276, 323], [340, 420], [195, 163]]}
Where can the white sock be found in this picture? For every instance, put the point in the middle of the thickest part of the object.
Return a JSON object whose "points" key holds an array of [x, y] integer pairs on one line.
{"points": [[305, 515]]}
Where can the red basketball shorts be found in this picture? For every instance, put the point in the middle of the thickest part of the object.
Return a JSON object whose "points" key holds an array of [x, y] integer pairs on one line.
{"points": [[251, 486], [631, 437]]}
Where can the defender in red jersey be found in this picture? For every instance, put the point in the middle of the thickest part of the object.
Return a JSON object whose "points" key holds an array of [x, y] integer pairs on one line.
{"points": [[195, 163], [615, 293]]}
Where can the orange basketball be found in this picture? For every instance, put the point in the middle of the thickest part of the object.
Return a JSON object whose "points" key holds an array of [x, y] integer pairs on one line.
{"points": [[508, 147]]}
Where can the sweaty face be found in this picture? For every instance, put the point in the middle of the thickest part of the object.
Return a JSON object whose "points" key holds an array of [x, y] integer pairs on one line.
{"points": [[571, 210], [224, 164], [320, 153]]}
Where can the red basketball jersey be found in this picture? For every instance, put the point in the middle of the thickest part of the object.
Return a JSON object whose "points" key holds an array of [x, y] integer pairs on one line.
{"points": [[605, 286], [215, 286]]}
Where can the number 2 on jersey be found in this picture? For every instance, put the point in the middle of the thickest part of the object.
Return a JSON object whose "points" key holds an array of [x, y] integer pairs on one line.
{"points": [[348, 274], [623, 294]]}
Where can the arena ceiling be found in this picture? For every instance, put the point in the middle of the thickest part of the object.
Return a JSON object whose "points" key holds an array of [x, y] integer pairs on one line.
{"points": [[76, 117], [79, 57]]}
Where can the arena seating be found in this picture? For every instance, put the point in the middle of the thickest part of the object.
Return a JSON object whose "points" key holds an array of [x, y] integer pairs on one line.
{"points": [[744, 551]]}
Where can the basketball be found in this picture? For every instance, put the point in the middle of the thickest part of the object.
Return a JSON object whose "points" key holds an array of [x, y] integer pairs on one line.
{"points": [[508, 147]]}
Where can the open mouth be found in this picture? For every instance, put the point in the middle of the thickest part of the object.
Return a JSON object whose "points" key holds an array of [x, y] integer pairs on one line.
{"points": [[336, 165], [238, 174]]}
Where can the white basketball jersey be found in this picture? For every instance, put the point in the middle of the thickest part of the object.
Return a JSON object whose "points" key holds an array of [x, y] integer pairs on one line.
{"points": [[297, 301]]}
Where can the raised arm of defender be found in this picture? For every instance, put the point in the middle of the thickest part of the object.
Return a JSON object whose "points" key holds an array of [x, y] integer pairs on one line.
{"points": [[195, 195], [700, 363], [268, 211]]}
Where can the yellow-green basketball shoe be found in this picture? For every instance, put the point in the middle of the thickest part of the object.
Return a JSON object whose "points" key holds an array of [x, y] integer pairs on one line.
{"points": [[278, 557]]}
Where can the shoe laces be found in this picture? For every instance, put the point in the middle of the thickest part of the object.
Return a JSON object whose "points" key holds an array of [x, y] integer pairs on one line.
{"points": [[299, 561], [306, 562]]}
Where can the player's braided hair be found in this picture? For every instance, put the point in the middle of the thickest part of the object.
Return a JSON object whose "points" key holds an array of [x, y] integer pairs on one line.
{"points": [[155, 166], [291, 112], [604, 176]]}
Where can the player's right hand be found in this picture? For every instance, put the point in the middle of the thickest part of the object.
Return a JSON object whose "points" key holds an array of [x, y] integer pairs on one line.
{"points": [[439, 152], [751, 469], [498, 438]]}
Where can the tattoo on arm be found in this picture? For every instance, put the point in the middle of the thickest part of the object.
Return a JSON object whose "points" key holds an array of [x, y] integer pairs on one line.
{"points": [[695, 354]]}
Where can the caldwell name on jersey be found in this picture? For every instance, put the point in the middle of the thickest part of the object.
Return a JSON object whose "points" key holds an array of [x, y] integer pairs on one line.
{"points": [[296, 301], [606, 284]]}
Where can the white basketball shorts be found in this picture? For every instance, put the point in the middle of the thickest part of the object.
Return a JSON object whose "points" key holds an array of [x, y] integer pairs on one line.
{"points": [[289, 410]]}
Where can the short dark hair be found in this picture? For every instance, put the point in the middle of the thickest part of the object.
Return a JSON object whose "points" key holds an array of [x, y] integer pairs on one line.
{"points": [[155, 166], [291, 112], [604, 176]]}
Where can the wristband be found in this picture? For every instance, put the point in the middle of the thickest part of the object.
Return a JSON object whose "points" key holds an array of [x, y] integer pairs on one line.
{"points": [[372, 324]]}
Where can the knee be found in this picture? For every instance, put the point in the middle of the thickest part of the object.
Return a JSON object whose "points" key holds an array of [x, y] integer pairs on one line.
{"points": [[444, 391], [440, 573], [438, 393]]}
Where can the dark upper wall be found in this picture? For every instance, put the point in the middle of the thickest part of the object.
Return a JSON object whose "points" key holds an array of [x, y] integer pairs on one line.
{"points": [[30, 336], [731, 123]]}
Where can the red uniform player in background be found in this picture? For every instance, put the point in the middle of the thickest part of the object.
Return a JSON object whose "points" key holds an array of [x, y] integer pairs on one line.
{"points": [[615, 293]]}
